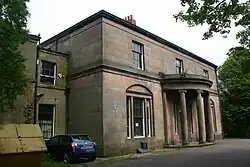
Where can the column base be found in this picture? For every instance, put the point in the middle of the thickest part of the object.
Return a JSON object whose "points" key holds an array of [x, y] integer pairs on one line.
{"points": [[202, 142], [189, 145], [185, 143], [210, 140]]}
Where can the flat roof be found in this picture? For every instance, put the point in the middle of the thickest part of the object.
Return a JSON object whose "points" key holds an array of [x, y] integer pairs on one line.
{"points": [[107, 15]]}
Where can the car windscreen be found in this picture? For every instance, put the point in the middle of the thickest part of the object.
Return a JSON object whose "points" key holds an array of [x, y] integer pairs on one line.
{"points": [[81, 137]]}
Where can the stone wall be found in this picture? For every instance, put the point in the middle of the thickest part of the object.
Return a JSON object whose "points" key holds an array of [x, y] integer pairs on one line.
{"points": [[117, 43], [85, 109], [115, 118]]}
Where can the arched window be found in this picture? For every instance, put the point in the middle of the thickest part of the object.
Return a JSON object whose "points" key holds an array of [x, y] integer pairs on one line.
{"points": [[139, 112], [214, 114]]}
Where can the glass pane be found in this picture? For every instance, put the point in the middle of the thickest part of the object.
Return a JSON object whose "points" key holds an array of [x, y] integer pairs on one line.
{"points": [[137, 47], [138, 107], [47, 68], [46, 72], [64, 139], [138, 126], [178, 70], [51, 72], [178, 63], [136, 64], [133, 46], [54, 140], [81, 137], [136, 56]]}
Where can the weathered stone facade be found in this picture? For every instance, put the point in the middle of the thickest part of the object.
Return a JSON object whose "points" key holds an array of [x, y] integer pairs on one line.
{"points": [[104, 87], [53, 95]]}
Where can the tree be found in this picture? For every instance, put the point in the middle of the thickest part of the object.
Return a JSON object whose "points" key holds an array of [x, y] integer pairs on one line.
{"points": [[234, 86], [13, 33], [219, 15]]}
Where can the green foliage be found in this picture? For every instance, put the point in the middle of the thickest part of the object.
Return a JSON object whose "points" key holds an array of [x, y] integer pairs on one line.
{"points": [[234, 86], [13, 33], [219, 15]]}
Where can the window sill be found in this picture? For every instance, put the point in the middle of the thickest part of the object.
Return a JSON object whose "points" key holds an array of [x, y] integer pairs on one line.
{"points": [[139, 137]]}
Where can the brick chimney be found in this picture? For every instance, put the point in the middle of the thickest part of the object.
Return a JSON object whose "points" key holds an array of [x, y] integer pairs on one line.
{"points": [[130, 19]]}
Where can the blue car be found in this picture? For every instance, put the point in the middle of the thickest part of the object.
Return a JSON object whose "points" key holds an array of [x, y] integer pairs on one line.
{"points": [[70, 148]]}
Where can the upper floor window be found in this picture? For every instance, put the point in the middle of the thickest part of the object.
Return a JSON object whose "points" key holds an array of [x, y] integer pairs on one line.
{"points": [[137, 55], [179, 66], [48, 70], [206, 74]]}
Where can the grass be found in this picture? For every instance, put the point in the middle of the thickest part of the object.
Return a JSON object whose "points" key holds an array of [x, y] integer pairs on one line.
{"points": [[49, 162]]}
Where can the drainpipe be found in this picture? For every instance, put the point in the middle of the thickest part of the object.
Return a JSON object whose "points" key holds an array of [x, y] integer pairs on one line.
{"points": [[36, 82]]}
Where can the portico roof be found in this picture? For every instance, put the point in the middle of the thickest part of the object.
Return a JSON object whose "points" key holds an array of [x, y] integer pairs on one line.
{"points": [[185, 81]]}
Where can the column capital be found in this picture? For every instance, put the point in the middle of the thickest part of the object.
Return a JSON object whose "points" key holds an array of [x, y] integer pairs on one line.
{"points": [[182, 91], [199, 91]]}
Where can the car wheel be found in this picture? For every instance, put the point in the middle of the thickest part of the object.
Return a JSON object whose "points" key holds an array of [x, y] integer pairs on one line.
{"points": [[92, 158], [67, 158]]}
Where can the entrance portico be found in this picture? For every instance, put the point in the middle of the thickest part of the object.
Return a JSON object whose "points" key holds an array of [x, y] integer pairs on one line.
{"points": [[187, 109]]}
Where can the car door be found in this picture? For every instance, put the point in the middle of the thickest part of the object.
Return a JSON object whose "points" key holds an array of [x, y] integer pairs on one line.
{"points": [[64, 144], [52, 145]]}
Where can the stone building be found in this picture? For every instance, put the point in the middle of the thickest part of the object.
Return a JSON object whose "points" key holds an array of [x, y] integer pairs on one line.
{"points": [[121, 84], [128, 85], [51, 88]]}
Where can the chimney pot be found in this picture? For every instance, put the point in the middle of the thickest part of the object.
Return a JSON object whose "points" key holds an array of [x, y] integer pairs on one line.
{"points": [[130, 19]]}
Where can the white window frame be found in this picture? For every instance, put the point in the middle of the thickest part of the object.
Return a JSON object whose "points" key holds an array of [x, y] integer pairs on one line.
{"points": [[131, 117], [48, 76], [148, 111], [181, 65], [141, 54]]}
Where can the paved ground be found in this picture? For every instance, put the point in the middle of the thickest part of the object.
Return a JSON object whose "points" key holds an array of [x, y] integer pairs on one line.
{"points": [[227, 153]]}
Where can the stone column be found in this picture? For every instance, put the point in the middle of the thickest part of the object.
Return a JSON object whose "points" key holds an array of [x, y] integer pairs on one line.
{"points": [[184, 124], [210, 127], [201, 119], [166, 117]]}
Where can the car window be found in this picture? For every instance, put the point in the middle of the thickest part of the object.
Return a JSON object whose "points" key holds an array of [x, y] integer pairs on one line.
{"points": [[54, 140], [64, 139], [81, 137]]}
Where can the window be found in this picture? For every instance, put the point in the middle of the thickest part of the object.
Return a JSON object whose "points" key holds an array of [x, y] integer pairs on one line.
{"points": [[46, 120], [139, 116], [214, 115], [176, 118], [81, 137], [64, 139], [179, 66], [47, 75], [139, 112], [137, 55], [206, 74], [54, 140]]}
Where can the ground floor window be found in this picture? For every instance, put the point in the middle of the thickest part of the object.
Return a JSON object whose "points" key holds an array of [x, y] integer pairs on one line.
{"points": [[46, 120], [139, 117]]}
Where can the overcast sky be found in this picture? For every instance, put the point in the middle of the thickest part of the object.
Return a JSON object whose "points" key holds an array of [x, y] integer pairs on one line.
{"points": [[49, 17]]}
